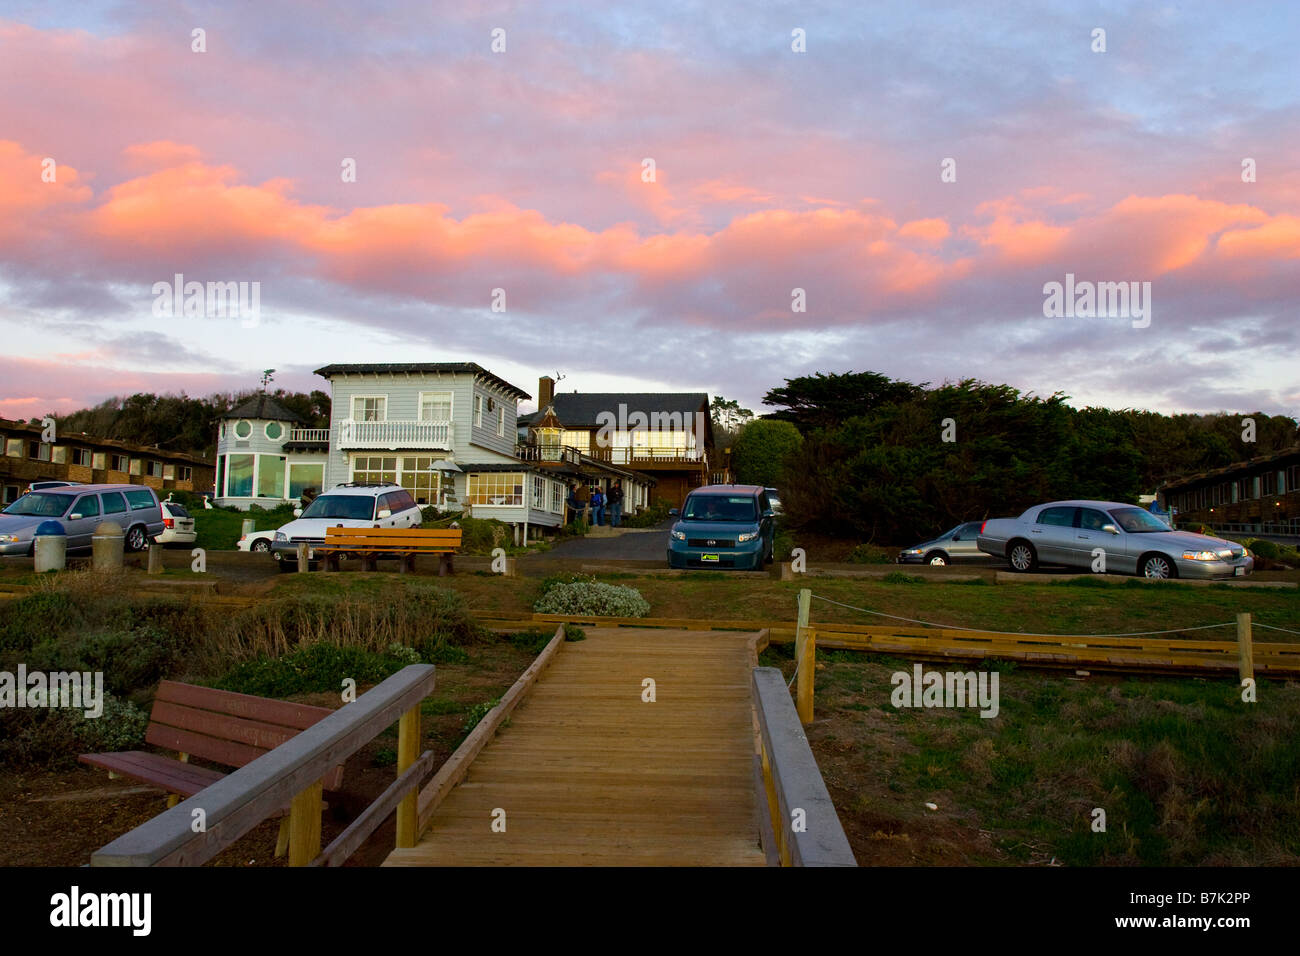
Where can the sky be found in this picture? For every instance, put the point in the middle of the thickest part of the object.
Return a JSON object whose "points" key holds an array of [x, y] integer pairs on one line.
{"points": [[834, 187]]}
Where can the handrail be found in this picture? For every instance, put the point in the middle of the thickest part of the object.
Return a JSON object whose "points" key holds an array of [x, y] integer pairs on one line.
{"points": [[807, 828], [240, 801]]}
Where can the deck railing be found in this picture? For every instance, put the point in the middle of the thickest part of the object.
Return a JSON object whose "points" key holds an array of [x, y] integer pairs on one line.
{"points": [[555, 454], [805, 829], [291, 773], [392, 435], [309, 434]]}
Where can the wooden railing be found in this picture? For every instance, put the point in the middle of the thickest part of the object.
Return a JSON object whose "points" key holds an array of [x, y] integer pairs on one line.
{"points": [[291, 773], [393, 435], [556, 454], [309, 434], [804, 828]]}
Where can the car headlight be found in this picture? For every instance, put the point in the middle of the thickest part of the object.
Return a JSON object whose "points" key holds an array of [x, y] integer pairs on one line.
{"points": [[749, 535], [1200, 556], [281, 536], [8, 538], [912, 551], [678, 535]]}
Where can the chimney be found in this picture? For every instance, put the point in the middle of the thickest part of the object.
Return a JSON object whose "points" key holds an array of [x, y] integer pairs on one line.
{"points": [[545, 391]]}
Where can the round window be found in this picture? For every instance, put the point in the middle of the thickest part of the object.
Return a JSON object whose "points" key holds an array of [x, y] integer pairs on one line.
{"points": [[274, 430], [221, 430], [243, 430]]}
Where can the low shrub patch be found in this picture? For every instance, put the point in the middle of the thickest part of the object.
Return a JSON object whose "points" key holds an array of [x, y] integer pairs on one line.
{"points": [[592, 598]]}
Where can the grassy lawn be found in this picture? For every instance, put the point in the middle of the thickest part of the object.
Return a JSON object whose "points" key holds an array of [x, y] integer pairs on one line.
{"points": [[1186, 773], [219, 529], [1064, 607]]}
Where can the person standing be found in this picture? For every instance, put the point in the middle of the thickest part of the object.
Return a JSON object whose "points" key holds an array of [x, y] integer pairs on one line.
{"points": [[597, 506], [583, 494], [616, 503]]}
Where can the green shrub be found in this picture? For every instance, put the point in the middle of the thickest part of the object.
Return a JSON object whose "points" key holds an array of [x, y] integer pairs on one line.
{"points": [[573, 633], [1263, 548], [870, 554], [55, 736], [317, 667], [384, 758], [592, 598], [649, 517], [782, 545], [28, 619], [478, 536], [477, 713], [898, 577]]}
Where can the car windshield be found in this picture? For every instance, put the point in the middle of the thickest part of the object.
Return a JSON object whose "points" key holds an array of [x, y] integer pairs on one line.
{"points": [[1138, 521], [720, 508], [361, 507], [40, 504]]}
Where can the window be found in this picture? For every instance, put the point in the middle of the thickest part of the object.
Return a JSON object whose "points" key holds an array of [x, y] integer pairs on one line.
{"points": [[578, 440], [14, 448], [155, 469], [59, 453], [1254, 487], [478, 411], [140, 499], [243, 429], [270, 476], [219, 489], [396, 501], [274, 431], [239, 476], [539, 492], [114, 503], [420, 480], [374, 470], [221, 430], [136, 465], [169, 472], [87, 506], [304, 476], [495, 488], [370, 408], [1061, 517], [501, 421], [98, 460], [435, 406], [557, 498], [185, 473], [118, 463], [39, 451], [81, 456], [1091, 520]]}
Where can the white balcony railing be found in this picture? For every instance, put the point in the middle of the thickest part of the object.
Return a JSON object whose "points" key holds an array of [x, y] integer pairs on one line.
{"points": [[309, 434], [392, 435]]}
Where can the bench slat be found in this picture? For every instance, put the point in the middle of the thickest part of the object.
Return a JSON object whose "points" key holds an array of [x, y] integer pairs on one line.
{"points": [[429, 534], [254, 733], [231, 753], [171, 775], [281, 712]]}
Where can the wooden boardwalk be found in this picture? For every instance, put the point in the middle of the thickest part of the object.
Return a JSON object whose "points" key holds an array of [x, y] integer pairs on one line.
{"points": [[588, 773]]}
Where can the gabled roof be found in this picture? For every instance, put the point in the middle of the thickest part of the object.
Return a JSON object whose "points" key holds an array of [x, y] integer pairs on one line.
{"points": [[582, 409], [424, 368], [265, 407]]}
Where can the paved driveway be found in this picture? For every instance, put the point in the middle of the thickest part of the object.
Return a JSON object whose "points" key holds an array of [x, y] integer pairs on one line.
{"points": [[648, 545]]}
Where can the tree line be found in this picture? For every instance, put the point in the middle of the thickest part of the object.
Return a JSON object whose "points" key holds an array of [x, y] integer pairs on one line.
{"points": [[178, 422], [862, 455]]}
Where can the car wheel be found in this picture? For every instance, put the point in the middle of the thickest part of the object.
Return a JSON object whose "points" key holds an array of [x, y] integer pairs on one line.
{"points": [[261, 544], [1158, 566], [1022, 556], [135, 538], [936, 557]]}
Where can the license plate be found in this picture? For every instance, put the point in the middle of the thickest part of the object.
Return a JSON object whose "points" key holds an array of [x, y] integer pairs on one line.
{"points": [[1238, 571], [708, 557]]}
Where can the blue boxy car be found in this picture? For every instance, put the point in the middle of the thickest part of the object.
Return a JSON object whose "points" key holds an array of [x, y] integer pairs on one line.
{"points": [[722, 526]]}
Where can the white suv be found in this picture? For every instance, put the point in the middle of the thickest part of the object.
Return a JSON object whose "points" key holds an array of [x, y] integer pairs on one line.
{"points": [[346, 506]]}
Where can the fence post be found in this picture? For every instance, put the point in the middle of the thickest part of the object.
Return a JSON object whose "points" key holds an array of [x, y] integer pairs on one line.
{"points": [[1245, 650], [304, 826], [408, 748], [805, 655], [303, 564]]}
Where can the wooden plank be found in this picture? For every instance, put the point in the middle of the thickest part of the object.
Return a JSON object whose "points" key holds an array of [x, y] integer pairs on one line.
{"points": [[254, 733], [238, 802], [408, 744], [171, 775], [457, 765], [264, 709], [368, 821], [232, 753], [304, 826]]}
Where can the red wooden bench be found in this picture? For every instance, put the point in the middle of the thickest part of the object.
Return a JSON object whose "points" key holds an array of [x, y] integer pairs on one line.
{"points": [[214, 725]]}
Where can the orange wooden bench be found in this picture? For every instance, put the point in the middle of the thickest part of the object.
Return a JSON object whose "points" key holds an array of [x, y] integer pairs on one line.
{"points": [[370, 544], [214, 725]]}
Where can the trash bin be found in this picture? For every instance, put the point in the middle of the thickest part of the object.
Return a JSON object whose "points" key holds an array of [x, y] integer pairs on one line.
{"points": [[107, 547], [51, 544]]}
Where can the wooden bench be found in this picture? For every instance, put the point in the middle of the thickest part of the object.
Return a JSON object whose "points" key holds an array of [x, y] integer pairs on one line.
{"points": [[402, 543], [215, 725]]}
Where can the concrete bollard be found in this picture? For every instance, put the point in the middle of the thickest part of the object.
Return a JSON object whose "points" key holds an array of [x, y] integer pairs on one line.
{"points": [[51, 545], [787, 571], [304, 565], [107, 547], [155, 558], [247, 527]]}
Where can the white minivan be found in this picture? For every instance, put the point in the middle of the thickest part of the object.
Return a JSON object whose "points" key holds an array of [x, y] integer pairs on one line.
{"points": [[350, 505]]}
